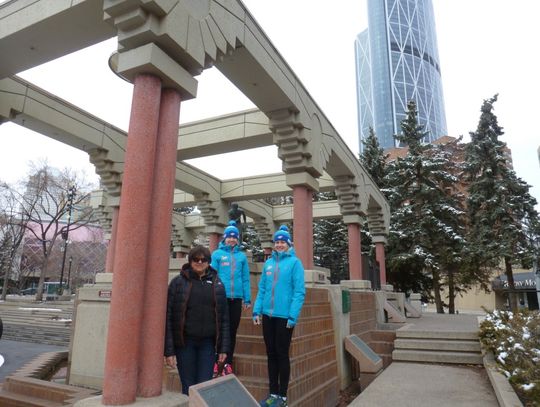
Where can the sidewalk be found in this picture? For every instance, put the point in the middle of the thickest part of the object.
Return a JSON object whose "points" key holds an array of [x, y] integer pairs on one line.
{"points": [[418, 384]]}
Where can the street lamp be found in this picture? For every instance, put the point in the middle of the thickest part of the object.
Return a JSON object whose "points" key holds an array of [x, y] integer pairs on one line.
{"points": [[65, 235], [68, 284]]}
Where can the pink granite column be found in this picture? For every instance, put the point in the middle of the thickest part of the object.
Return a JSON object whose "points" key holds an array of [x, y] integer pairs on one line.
{"points": [[150, 379], [111, 247], [355, 252], [130, 259], [213, 241], [303, 224], [379, 256]]}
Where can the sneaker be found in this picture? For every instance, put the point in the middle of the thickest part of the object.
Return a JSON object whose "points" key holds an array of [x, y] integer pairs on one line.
{"points": [[271, 401], [283, 402], [216, 371], [227, 369]]}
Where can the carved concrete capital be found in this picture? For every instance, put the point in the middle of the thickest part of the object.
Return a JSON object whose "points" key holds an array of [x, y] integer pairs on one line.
{"points": [[102, 210], [109, 171], [348, 195], [377, 225], [264, 231], [293, 141], [214, 213], [174, 39]]}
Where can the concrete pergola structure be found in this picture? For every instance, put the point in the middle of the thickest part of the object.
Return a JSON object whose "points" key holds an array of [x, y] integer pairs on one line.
{"points": [[163, 45]]}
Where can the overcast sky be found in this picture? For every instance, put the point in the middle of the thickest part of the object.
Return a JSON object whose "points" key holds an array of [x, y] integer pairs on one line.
{"points": [[485, 47]]}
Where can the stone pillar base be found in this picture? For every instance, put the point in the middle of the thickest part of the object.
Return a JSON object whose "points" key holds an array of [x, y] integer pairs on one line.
{"points": [[315, 277], [416, 301], [167, 399], [387, 287]]}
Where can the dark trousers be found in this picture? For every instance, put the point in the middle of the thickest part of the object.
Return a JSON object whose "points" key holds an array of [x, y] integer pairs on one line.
{"points": [[195, 361], [235, 313], [277, 338]]}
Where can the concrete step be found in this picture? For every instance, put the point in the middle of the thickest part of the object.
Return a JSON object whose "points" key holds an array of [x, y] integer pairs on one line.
{"points": [[437, 334], [50, 336], [18, 391], [464, 358], [10, 399], [438, 344]]}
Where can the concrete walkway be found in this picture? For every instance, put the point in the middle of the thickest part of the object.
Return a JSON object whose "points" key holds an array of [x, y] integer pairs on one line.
{"points": [[16, 354], [421, 384]]}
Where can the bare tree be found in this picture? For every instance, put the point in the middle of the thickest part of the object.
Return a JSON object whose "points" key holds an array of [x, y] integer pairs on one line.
{"points": [[12, 228], [54, 203]]}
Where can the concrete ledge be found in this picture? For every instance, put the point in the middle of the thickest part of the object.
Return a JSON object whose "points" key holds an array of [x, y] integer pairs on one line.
{"points": [[406, 332], [430, 356], [438, 344], [356, 284], [167, 399], [506, 396]]}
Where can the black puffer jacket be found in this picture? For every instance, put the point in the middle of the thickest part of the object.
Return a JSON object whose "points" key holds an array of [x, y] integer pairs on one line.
{"points": [[177, 299]]}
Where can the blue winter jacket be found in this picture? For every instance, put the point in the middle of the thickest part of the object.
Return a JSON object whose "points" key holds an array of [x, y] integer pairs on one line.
{"points": [[281, 288], [233, 270]]}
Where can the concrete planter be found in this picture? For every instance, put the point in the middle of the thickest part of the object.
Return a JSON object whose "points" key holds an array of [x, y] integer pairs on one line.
{"points": [[506, 396]]}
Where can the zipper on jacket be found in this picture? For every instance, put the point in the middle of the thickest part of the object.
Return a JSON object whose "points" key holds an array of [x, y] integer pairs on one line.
{"points": [[276, 274], [216, 311], [233, 266]]}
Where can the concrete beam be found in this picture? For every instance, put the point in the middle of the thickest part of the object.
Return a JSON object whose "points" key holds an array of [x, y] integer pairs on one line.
{"points": [[33, 32]]}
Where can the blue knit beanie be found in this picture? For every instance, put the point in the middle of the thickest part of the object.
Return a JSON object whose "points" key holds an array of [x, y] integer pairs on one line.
{"points": [[231, 231], [283, 235]]}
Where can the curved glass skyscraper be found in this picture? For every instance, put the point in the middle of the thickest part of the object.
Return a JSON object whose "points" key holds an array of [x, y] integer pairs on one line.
{"points": [[397, 61]]}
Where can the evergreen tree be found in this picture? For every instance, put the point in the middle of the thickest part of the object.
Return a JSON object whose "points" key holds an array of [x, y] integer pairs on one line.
{"points": [[503, 222], [425, 235], [373, 158], [330, 244]]}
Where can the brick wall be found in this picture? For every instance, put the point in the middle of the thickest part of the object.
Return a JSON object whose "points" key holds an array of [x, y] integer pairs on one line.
{"points": [[314, 375], [363, 323]]}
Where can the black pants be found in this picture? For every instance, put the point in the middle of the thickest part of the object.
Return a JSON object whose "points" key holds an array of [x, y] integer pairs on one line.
{"points": [[277, 338], [235, 312]]}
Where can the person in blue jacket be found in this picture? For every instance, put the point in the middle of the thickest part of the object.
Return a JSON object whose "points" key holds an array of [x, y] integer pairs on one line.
{"points": [[279, 300], [232, 266]]}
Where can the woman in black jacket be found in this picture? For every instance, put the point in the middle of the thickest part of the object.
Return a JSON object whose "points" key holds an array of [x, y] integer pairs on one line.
{"points": [[197, 320]]}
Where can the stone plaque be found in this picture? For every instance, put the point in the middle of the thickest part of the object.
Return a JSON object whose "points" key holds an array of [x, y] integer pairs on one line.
{"points": [[224, 391]]}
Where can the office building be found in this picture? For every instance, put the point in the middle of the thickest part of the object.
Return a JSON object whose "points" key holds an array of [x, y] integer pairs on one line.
{"points": [[397, 61]]}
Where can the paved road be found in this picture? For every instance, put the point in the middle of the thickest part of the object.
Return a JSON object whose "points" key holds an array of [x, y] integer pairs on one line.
{"points": [[17, 354]]}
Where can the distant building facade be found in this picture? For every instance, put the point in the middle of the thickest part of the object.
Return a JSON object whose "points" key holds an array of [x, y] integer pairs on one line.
{"points": [[397, 61]]}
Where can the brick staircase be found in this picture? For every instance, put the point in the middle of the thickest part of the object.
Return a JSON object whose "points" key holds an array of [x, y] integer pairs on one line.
{"points": [[436, 346], [47, 323]]}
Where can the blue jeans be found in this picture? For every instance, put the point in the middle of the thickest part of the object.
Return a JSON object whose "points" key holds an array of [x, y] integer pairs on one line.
{"points": [[195, 361]]}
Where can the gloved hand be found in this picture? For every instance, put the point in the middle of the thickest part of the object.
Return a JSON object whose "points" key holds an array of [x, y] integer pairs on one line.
{"points": [[290, 324], [256, 319]]}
